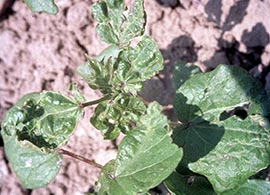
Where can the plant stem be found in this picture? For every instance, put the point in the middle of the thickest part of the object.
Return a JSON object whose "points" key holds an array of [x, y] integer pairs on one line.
{"points": [[79, 157], [90, 103]]}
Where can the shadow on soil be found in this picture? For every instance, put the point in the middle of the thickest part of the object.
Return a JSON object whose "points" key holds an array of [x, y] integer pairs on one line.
{"points": [[253, 41]]}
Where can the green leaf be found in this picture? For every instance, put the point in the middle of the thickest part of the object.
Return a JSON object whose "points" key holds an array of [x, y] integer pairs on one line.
{"points": [[33, 167], [78, 96], [251, 187], [145, 58], [106, 33], [117, 115], [135, 23], [145, 157], [98, 75], [117, 70], [183, 72], [32, 130], [113, 27], [188, 185], [242, 151], [223, 89], [110, 16], [227, 150], [47, 6]]}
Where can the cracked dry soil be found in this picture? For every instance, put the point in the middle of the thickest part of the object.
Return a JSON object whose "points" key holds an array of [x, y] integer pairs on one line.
{"points": [[41, 52]]}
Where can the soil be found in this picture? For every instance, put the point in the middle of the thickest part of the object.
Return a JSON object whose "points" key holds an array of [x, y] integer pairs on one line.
{"points": [[41, 52]]}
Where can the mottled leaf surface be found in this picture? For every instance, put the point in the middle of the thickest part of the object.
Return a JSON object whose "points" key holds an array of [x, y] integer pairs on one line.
{"points": [[32, 130], [47, 6], [118, 115], [121, 71], [31, 164], [145, 157], [145, 58], [251, 187], [135, 23], [227, 150], [113, 26]]}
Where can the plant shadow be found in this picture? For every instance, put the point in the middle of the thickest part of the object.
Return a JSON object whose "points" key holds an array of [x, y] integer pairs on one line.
{"points": [[195, 135]]}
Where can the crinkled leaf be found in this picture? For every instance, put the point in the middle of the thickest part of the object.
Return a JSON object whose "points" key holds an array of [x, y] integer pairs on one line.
{"points": [[78, 96], [98, 75], [123, 71], [226, 150], [106, 33], [47, 6], [117, 115], [188, 185], [183, 72], [135, 23], [110, 16], [113, 27], [32, 130], [145, 157], [145, 58], [251, 187]]}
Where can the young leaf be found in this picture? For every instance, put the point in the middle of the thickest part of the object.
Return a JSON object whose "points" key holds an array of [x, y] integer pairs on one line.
{"points": [[47, 6], [145, 58], [117, 115], [123, 70], [109, 14], [32, 130], [78, 96], [113, 27], [98, 75], [188, 185], [227, 151], [145, 157], [135, 23]]}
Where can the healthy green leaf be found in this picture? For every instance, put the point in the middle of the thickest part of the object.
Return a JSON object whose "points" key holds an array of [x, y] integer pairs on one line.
{"points": [[113, 27], [242, 151], [47, 6], [145, 157], [226, 150], [32, 130], [251, 187], [223, 89], [188, 185], [117, 115]]}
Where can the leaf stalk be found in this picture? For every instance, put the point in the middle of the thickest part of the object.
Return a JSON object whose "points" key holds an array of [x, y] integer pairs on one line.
{"points": [[90, 103], [79, 157]]}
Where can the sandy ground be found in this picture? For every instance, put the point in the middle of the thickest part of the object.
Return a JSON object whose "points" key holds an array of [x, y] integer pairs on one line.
{"points": [[40, 52]]}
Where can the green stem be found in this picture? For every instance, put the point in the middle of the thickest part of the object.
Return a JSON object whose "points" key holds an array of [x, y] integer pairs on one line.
{"points": [[79, 157], [90, 103]]}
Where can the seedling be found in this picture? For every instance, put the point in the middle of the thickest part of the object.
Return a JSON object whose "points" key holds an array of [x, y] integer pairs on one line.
{"points": [[215, 151]]}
